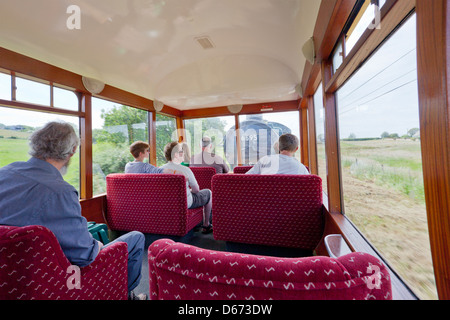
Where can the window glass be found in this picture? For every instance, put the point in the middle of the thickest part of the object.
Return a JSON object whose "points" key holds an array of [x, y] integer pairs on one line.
{"points": [[319, 115], [5, 86], [114, 128], [369, 17], [259, 132], [32, 92], [381, 158], [65, 99], [219, 129], [338, 56], [166, 131], [16, 126]]}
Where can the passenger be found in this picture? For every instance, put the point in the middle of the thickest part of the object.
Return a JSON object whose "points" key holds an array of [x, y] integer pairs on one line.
{"points": [[34, 193], [282, 163], [186, 155], [208, 158], [140, 151], [196, 198]]}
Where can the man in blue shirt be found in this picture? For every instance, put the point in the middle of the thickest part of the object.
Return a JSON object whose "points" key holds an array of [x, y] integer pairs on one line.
{"points": [[35, 193]]}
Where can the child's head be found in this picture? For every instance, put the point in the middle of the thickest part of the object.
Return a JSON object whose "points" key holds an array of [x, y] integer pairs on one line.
{"points": [[288, 142], [137, 147], [171, 149]]}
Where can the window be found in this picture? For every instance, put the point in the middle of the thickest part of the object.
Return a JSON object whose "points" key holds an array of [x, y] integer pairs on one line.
{"points": [[368, 17], [114, 128], [381, 158], [5, 86], [320, 136], [259, 132], [65, 99], [219, 129], [32, 92], [16, 126], [166, 131]]}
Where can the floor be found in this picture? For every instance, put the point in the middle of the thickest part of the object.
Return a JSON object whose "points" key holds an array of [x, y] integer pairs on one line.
{"points": [[205, 241]]}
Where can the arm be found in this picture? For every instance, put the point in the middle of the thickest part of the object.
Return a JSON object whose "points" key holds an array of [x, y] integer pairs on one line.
{"points": [[62, 215]]}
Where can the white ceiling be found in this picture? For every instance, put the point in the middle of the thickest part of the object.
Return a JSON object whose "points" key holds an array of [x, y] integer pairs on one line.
{"points": [[149, 47]]}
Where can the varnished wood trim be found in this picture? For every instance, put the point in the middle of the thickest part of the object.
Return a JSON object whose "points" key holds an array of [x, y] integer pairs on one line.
{"points": [[433, 66], [312, 137], [392, 14], [86, 182], [303, 114], [35, 107], [332, 147], [152, 137], [268, 107], [93, 209]]}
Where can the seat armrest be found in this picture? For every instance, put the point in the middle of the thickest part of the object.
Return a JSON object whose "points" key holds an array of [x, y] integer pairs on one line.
{"points": [[336, 246]]}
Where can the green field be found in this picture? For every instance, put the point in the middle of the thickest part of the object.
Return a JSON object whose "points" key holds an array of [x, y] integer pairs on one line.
{"points": [[16, 149]]}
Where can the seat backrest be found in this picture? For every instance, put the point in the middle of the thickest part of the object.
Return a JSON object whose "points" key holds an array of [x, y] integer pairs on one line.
{"points": [[33, 266], [204, 176], [241, 169], [274, 210], [180, 271], [150, 203]]}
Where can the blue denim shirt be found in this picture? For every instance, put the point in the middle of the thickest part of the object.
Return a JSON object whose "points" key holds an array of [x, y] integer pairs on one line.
{"points": [[34, 193]]}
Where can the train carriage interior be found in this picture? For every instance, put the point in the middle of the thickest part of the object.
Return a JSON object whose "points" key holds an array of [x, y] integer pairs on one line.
{"points": [[363, 84]]}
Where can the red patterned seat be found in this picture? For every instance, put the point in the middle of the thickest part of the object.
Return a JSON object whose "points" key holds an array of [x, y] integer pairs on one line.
{"points": [[204, 176], [150, 203], [34, 267], [271, 210], [185, 272], [241, 169]]}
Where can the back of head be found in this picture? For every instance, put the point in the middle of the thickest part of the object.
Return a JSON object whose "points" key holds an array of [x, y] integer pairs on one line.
{"points": [[206, 141], [288, 142], [137, 147], [56, 140], [170, 149]]}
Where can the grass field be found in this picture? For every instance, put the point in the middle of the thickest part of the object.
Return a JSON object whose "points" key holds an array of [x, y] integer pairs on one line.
{"points": [[16, 149], [384, 198]]}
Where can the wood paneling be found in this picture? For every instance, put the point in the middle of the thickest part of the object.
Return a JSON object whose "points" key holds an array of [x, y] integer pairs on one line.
{"points": [[94, 209], [433, 58], [86, 182], [392, 14], [332, 147]]}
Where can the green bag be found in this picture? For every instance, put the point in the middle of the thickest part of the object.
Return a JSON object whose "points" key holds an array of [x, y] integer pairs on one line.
{"points": [[99, 231]]}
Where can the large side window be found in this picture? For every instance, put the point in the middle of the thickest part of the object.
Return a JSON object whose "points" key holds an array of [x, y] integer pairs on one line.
{"points": [[114, 128], [16, 126], [381, 158]]}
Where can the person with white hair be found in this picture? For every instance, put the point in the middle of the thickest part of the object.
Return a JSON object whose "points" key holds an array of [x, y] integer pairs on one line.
{"points": [[207, 158], [35, 193]]}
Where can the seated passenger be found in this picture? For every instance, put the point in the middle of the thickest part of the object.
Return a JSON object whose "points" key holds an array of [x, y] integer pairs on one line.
{"points": [[140, 151], [35, 193], [207, 158], [196, 198], [282, 163]]}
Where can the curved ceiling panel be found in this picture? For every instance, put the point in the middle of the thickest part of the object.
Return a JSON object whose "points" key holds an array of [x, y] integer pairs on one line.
{"points": [[225, 80]]}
